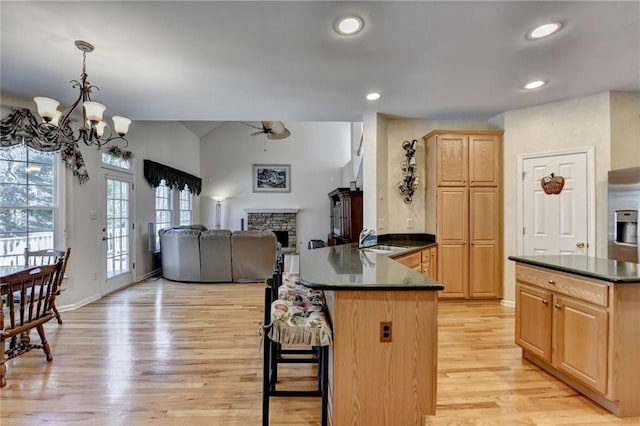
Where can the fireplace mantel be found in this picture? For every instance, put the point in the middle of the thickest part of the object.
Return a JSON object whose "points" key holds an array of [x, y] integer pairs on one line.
{"points": [[258, 211]]}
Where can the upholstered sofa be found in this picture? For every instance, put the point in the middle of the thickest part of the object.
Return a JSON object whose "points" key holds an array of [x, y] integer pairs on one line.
{"points": [[195, 254]]}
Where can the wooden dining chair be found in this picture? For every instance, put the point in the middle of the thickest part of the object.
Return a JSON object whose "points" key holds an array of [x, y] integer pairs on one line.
{"points": [[42, 257], [50, 257], [26, 302]]}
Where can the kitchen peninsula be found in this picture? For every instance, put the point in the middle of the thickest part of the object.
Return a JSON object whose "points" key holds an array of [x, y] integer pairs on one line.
{"points": [[578, 318], [383, 363]]}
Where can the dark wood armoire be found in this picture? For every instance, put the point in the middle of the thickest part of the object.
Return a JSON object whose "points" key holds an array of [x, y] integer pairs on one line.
{"points": [[346, 216]]}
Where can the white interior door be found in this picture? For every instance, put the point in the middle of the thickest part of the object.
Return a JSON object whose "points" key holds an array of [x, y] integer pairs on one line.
{"points": [[557, 224], [117, 232]]}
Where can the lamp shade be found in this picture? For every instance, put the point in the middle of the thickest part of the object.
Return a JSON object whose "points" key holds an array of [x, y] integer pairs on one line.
{"points": [[47, 107], [121, 125], [94, 111], [56, 118], [100, 128]]}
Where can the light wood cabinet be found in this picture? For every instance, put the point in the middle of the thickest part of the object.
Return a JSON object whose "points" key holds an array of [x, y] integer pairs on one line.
{"points": [[468, 159], [485, 234], [423, 261], [468, 199], [383, 383], [430, 262], [580, 341], [533, 320], [452, 154], [411, 260], [452, 235], [584, 331], [567, 333], [485, 159]]}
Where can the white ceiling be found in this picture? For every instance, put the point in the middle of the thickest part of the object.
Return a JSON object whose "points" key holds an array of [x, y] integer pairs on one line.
{"points": [[220, 61]]}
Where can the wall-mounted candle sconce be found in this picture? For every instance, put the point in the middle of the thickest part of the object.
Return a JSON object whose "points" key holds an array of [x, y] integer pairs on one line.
{"points": [[409, 184]]}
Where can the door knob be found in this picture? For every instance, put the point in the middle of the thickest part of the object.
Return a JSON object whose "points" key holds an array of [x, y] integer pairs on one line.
{"points": [[580, 244], [104, 238]]}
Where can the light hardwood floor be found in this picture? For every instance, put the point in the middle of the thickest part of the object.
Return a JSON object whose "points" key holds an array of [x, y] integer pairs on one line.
{"points": [[165, 353]]}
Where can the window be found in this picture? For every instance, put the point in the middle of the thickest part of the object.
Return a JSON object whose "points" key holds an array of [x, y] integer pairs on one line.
{"points": [[163, 209], [172, 208], [185, 206], [30, 216], [112, 160]]}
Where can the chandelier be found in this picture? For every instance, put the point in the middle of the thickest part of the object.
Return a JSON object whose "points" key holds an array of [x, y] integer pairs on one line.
{"points": [[55, 130]]}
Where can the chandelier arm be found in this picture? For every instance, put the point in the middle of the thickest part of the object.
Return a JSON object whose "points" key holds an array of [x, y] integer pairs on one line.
{"points": [[65, 119]]}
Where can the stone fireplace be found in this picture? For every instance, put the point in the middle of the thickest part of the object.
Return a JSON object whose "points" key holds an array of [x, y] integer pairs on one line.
{"points": [[283, 222]]}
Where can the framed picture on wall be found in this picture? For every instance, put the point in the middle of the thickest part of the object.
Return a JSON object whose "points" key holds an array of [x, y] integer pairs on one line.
{"points": [[271, 178]]}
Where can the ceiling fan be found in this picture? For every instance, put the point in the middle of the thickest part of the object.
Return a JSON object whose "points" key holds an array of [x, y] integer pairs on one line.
{"points": [[273, 129]]}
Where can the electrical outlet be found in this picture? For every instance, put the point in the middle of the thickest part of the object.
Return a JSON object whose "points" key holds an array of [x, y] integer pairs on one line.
{"points": [[381, 223], [385, 331], [409, 223]]}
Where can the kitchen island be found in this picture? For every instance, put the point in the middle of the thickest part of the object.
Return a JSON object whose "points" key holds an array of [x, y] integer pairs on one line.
{"points": [[383, 362], [578, 318]]}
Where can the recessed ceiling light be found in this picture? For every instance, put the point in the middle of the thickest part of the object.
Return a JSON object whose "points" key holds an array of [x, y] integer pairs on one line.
{"points": [[534, 84], [373, 96], [544, 30], [349, 25]]}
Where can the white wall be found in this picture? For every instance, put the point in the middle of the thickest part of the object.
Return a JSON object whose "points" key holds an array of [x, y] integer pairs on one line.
{"points": [[374, 173], [575, 123], [625, 130], [356, 160], [317, 153]]}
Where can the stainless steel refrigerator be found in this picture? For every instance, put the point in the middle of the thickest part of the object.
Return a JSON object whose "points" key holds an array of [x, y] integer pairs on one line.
{"points": [[624, 203]]}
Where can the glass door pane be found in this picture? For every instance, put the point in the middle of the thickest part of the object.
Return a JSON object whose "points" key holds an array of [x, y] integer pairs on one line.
{"points": [[117, 235]]}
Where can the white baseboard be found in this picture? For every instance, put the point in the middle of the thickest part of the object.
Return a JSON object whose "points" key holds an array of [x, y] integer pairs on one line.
{"points": [[90, 299], [148, 275], [508, 303], [80, 304]]}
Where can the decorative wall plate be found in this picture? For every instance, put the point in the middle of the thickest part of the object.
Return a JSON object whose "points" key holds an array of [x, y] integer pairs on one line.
{"points": [[552, 184]]}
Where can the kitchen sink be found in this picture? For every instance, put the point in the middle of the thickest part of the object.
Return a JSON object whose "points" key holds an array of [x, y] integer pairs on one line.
{"points": [[383, 248]]}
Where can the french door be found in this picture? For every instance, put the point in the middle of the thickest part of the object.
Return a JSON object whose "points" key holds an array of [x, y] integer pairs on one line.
{"points": [[117, 232]]}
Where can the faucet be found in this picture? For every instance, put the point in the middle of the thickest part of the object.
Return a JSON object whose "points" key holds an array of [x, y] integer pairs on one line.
{"points": [[364, 234]]}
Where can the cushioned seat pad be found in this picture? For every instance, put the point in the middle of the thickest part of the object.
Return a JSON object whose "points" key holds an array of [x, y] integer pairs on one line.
{"points": [[293, 291], [299, 323]]}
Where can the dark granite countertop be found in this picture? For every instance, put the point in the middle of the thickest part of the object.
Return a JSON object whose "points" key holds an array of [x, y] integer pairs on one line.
{"points": [[602, 269], [346, 267]]}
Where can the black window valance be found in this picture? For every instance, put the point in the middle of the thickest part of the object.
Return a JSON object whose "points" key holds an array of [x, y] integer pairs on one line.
{"points": [[154, 173]]}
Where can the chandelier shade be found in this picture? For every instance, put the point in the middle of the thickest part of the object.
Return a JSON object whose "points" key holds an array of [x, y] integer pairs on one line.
{"points": [[94, 111], [55, 127], [47, 107]]}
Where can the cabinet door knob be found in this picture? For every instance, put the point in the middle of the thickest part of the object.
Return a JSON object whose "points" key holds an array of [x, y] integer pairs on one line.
{"points": [[557, 306], [580, 244], [544, 301], [552, 282]]}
